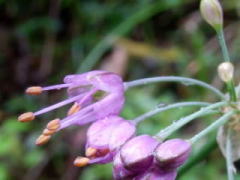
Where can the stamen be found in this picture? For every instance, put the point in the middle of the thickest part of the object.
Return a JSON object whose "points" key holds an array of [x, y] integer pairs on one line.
{"points": [[53, 125], [42, 139], [75, 108], [58, 86], [60, 104], [90, 152], [81, 161], [26, 117], [34, 90], [48, 132]]}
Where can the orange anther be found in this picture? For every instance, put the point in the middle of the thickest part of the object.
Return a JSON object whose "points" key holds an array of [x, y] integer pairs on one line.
{"points": [[90, 152], [81, 161], [53, 125], [34, 90], [48, 132], [75, 108], [42, 139], [26, 117]]}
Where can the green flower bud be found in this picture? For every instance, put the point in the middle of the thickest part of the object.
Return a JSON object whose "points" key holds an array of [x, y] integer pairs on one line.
{"points": [[211, 11]]}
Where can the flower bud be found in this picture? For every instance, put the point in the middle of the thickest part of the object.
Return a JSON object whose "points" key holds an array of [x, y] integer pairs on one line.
{"points": [[172, 153], [119, 170], [156, 173], [225, 71], [211, 11], [137, 153], [106, 136]]}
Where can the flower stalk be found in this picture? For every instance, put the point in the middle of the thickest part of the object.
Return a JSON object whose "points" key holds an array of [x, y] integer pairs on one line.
{"points": [[163, 134], [165, 108], [216, 124], [229, 162], [183, 80], [226, 57]]}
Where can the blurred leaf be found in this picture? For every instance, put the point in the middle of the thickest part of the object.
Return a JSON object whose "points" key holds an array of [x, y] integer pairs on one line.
{"points": [[143, 50], [38, 24], [33, 157], [20, 103], [13, 126], [95, 172], [3, 172]]}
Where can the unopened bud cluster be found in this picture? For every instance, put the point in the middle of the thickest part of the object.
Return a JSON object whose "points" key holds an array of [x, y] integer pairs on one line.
{"points": [[211, 11]]}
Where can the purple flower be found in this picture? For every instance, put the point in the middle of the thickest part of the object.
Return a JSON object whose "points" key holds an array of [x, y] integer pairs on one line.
{"points": [[137, 153], [172, 153], [134, 157], [119, 170], [106, 136], [156, 173], [95, 94]]}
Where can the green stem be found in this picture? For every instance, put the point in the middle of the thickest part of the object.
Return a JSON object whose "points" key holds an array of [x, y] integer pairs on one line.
{"points": [[165, 108], [229, 162], [222, 120], [163, 134], [231, 90], [222, 43], [226, 57]]}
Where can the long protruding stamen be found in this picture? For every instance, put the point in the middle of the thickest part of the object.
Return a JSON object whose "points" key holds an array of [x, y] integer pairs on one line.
{"points": [[60, 104], [36, 90], [57, 87], [82, 117], [81, 161], [26, 117], [84, 97], [75, 108]]}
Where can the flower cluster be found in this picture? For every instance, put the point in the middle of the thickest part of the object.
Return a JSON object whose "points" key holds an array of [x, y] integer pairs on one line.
{"points": [[145, 158], [98, 98]]}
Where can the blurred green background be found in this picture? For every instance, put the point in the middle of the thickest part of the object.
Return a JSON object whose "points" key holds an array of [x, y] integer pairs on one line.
{"points": [[42, 41]]}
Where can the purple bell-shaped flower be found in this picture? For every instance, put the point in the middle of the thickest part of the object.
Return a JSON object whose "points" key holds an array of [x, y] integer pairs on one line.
{"points": [[106, 136], [172, 153], [134, 157]]}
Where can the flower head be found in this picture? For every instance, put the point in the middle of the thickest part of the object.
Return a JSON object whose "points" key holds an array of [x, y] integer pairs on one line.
{"points": [[95, 95], [172, 153], [106, 136]]}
